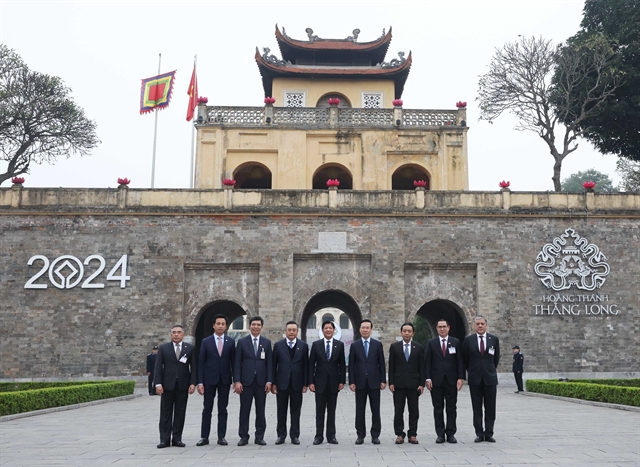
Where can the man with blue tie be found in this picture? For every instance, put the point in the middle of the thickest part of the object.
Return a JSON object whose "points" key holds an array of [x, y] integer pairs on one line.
{"points": [[215, 370], [367, 377], [291, 367], [252, 376], [327, 376]]}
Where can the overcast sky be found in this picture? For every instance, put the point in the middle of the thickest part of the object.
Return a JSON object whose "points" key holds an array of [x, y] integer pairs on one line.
{"points": [[102, 49]]}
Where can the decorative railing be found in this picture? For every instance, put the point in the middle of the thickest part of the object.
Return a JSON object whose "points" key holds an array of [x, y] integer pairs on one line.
{"points": [[328, 117]]}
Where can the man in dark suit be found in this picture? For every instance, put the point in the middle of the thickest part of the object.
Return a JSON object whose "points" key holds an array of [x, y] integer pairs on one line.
{"points": [[175, 379], [406, 382], [327, 376], [445, 374], [481, 355], [518, 367], [151, 367], [252, 376], [215, 371], [367, 377], [291, 367]]}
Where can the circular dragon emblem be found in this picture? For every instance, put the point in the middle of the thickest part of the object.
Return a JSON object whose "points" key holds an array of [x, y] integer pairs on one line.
{"points": [[570, 260]]}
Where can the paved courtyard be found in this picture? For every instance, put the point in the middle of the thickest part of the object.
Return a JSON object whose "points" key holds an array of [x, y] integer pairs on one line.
{"points": [[531, 431]]}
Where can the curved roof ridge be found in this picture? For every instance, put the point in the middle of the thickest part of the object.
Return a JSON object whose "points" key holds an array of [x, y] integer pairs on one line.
{"points": [[316, 43]]}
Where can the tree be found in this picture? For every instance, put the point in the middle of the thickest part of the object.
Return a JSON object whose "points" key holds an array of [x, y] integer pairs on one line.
{"points": [[38, 119], [615, 128], [519, 81], [574, 182], [422, 330], [630, 172]]}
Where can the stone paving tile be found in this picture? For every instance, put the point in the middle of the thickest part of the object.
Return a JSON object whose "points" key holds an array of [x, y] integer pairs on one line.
{"points": [[530, 431]]}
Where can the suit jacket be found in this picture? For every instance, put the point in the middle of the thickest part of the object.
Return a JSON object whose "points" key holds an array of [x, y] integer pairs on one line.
{"points": [[481, 368], [248, 365], [214, 368], [367, 369], [170, 370], [151, 363], [448, 369], [405, 374], [323, 372], [518, 362], [291, 370]]}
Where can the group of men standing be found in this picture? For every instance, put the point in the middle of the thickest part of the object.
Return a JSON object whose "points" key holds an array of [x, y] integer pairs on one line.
{"points": [[290, 368]]}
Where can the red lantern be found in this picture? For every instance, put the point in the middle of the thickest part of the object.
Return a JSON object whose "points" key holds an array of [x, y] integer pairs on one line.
{"points": [[17, 180], [420, 183], [590, 185], [504, 184], [123, 181], [461, 104], [397, 102], [333, 182]]}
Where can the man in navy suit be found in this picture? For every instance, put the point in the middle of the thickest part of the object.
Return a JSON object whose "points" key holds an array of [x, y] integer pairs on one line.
{"points": [[175, 378], [253, 375], [445, 374], [327, 376], [215, 370], [291, 367], [481, 355], [367, 377], [406, 382]]}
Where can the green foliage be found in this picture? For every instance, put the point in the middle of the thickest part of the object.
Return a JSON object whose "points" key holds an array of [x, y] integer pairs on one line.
{"points": [[64, 394], [630, 172], [422, 330], [591, 390], [603, 181], [614, 129], [39, 121]]}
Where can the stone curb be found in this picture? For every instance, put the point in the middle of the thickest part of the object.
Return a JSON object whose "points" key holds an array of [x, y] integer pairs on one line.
{"points": [[628, 408], [16, 416]]}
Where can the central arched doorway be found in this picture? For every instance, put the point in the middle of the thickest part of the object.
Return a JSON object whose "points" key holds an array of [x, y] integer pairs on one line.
{"points": [[326, 302], [205, 323], [434, 310]]}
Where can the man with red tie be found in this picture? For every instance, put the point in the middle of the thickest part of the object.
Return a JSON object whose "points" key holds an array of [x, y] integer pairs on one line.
{"points": [[481, 355]]}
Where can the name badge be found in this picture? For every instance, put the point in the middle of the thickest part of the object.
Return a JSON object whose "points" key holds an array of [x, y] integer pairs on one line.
{"points": [[183, 359], [452, 350], [492, 351], [262, 355]]}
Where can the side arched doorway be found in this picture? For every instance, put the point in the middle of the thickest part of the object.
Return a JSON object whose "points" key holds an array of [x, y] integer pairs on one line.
{"points": [[404, 176], [434, 310], [205, 323], [332, 171], [335, 299]]}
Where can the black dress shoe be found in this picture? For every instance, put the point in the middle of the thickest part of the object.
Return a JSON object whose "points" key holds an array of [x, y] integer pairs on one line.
{"points": [[203, 442], [440, 440], [317, 441], [295, 441], [163, 445], [261, 442], [243, 442], [222, 442], [375, 440], [479, 439], [489, 439], [452, 439], [280, 440], [360, 441], [332, 441], [178, 444]]}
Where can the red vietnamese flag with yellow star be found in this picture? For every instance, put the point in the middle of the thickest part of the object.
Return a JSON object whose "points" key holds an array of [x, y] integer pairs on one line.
{"points": [[156, 92], [192, 92]]}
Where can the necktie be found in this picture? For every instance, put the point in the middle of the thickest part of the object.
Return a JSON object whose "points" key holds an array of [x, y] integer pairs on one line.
{"points": [[327, 350], [220, 346], [444, 347], [406, 352], [481, 345], [177, 351], [291, 344], [366, 349], [255, 345]]}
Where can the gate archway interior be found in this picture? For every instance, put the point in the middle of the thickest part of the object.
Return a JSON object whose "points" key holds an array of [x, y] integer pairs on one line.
{"points": [[205, 323], [332, 299], [403, 177], [443, 309], [332, 171]]}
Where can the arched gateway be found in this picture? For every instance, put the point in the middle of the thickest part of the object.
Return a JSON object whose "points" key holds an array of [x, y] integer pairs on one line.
{"points": [[331, 299]]}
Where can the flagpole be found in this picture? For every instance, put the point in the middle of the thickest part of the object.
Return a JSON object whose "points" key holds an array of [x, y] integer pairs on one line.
{"points": [[193, 133], [155, 135]]}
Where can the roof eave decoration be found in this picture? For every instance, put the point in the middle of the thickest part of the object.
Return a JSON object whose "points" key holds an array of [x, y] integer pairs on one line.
{"points": [[271, 67]]}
